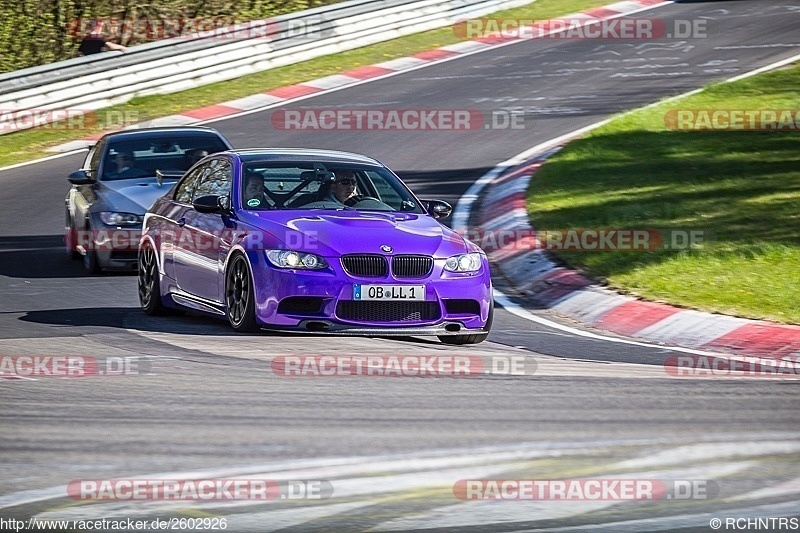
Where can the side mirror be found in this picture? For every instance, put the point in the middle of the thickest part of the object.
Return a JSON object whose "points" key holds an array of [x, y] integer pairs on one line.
{"points": [[438, 208], [80, 177], [212, 204]]}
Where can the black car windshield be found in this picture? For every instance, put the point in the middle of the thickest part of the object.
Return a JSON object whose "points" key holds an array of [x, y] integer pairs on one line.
{"points": [[171, 154], [303, 185]]}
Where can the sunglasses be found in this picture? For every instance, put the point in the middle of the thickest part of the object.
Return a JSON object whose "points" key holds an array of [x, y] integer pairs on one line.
{"points": [[346, 182]]}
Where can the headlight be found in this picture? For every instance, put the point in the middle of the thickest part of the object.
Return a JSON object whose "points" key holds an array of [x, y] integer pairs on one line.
{"points": [[463, 263], [292, 259], [112, 218]]}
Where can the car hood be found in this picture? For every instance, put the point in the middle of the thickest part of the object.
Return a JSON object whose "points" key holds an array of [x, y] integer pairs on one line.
{"points": [[335, 233], [132, 195]]}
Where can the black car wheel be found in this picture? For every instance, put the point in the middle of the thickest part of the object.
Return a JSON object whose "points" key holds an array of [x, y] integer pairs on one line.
{"points": [[69, 239], [90, 262], [149, 287], [240, 298]]}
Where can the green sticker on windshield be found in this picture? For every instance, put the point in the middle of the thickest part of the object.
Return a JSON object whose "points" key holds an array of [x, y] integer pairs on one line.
{"points": [[253, 202]]}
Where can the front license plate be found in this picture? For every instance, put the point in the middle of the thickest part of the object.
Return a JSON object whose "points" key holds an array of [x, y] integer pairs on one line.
{"points": [[389, 293]]}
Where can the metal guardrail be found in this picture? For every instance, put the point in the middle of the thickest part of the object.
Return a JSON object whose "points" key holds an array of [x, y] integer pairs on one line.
{"points": [[180, 63]]}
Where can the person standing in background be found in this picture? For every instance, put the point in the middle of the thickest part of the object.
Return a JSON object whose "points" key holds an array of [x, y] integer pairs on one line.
{"points": [[95, 41]]}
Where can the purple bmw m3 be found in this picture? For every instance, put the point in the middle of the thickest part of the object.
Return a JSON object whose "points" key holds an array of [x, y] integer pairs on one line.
{"points": [[311, 240]]}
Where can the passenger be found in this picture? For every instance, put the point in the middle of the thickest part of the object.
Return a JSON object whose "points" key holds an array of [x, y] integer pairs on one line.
{"points": [[193, 156]]}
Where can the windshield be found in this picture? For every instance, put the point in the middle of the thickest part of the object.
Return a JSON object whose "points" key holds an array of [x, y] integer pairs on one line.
{"points": [[171, 154], [290, 185]]}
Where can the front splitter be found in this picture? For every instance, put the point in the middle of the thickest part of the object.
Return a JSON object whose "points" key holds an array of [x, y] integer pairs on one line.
{"points": [[332, 328]]}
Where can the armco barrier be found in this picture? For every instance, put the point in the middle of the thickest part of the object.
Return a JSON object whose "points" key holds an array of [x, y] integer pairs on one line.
{"points": [[182, 63]]}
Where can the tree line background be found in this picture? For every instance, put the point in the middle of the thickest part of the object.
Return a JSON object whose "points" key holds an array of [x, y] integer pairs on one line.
{"points": [[37, 32]]}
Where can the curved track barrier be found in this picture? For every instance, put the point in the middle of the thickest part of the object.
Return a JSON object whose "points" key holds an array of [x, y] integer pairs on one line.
{"points": [[204, 57]]}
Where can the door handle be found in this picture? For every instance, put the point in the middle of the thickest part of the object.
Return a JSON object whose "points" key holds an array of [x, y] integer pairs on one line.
{"points": [[181, 222]]}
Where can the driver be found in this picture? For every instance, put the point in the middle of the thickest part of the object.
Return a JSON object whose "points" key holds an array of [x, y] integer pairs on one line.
{"points": [[343, 190], [255, 192], [125, 167]]}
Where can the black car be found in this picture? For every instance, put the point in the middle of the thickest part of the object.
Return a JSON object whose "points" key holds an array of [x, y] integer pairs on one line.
{"points": [[123, 174]]}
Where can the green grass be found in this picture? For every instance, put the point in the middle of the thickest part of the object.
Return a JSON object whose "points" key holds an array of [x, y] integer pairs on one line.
{"points": [[742, 187], [30, 144]]}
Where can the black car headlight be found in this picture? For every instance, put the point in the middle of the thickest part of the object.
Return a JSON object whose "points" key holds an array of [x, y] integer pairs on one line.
{"points": [[115, 218]]}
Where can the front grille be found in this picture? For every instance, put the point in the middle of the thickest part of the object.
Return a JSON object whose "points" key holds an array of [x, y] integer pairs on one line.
{"points": [[387, 311], [412, 266], [369, 266]]}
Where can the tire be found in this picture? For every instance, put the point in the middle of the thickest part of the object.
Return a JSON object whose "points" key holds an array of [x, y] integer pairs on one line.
{"points": [[475, 338], [90, 262], [149, 286], [240, 301]]}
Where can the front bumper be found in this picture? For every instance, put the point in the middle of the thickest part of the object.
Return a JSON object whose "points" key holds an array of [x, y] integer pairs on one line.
{"points": [[116, 248], [334, 286]]}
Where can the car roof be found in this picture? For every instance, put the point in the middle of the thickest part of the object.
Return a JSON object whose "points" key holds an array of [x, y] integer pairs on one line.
{"points": [[302, 154], [145, 133]]}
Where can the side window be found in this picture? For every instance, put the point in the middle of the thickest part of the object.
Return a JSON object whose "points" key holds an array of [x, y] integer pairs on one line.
{"points": [[186, 188], [216, 179]]}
